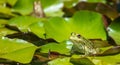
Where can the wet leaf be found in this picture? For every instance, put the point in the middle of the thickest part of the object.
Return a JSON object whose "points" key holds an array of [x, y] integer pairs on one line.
{"points": [[38, 29], [53, 7], [2, 1], [3, 22], [106, 60], [24, 7], [70, 3], [5, 31], [23, 22], [81, 61], [12, 2], [57, 29], [102, 1], [6, 12], [29, 36], [62, 48], [83, 22], [95, 60], [60, 61], [114, 30], [16, 50]]}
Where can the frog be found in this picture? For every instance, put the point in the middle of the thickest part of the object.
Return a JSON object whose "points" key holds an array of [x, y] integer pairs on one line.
{"points": [[83, 45]]}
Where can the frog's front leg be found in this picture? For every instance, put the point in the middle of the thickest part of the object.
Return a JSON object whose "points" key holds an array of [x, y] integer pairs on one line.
{"points": [[86, 51]]}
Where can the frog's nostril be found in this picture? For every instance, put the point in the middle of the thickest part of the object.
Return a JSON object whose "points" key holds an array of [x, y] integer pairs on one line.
{"points": [[73, 33]]}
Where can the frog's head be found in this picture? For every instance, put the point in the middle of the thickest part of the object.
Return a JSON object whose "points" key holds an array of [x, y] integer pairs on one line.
{"points": [[76, 37]]}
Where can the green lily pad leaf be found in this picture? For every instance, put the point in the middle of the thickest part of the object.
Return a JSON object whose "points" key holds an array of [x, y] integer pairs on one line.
{"points": [[24, 6], [3, 22], [106, 60], [2, 1], [70, 3], [12, 2], [89, 24], [62, 48], [114, 30], [23, 22], [60, 61], [6, 12], [81, 61], [5, 31], [45, 5], [16, 50], [38, 29], [56, 28], [103, 1], [83, 22], [100, 60], [53, 7]]}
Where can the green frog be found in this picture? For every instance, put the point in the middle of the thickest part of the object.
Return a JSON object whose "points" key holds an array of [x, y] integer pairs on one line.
{"points": [[83, 45]]}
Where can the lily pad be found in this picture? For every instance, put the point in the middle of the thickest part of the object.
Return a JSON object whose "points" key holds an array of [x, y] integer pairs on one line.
{"points": [[56, 28], [2, 1], [6, 12], [102, 1], [88, 24], [16, 50], [60, 61], [81, 61], [3, 22], [5, 31], [23, 22], [70, 3], [97, 60], [113, 60], [12, 2], [38, 29], [62, 48], [24, 7], [114, 30], [53, 7]]}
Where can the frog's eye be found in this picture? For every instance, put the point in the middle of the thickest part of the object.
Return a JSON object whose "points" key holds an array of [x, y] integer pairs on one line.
{"points": [[78, 35]]}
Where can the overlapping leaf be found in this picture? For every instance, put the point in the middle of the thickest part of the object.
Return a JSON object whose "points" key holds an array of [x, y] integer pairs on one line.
{"points": [[60, 61], [38, 29], [114, 30], [83, 22], [23, 22], [62, 48], [16, 50], [24, 7], [97, 7], [6, 12]]}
